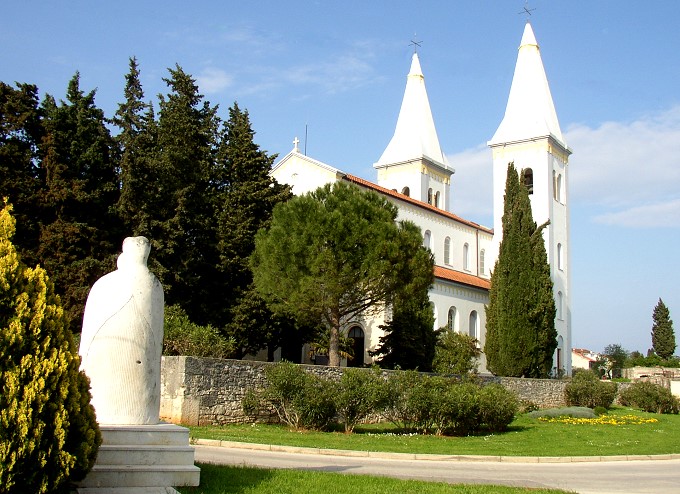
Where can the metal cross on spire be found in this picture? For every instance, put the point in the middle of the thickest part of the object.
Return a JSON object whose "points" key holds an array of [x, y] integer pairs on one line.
{"points": [[526, 10], [416, 44]]}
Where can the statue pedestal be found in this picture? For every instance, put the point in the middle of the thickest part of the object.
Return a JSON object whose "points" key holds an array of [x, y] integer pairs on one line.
{"points": [[142, 459]]}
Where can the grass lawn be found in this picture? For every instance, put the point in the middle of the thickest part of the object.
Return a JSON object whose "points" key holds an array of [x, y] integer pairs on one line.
{"points": [[526, 437], [245, 480]]}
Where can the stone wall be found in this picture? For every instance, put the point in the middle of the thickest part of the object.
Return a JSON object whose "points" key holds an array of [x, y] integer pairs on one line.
{"points": [[202, 391]]}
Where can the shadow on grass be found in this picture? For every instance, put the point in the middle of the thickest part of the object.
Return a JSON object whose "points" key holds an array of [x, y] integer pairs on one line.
{"points": [[221, 479]]}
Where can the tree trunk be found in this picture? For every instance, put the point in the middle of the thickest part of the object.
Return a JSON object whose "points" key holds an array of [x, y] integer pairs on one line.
{"points": [[334, 340]]}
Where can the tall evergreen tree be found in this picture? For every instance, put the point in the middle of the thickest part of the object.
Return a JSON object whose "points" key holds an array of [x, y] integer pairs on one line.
{"points": [[520, 318], [81, 234], [245, 205], [21, 132], [663, 336], [136, 146], [181, 230]]}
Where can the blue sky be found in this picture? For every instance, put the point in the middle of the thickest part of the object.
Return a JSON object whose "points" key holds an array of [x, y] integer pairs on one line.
{"points": [[339, 69]]}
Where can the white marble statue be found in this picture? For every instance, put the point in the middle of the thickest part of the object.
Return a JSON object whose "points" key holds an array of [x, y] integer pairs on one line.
{"points": [[122, 340]]}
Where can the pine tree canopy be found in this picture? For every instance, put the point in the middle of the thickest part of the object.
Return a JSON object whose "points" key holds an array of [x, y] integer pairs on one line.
{"points": [[336, 254], [520, 317]]}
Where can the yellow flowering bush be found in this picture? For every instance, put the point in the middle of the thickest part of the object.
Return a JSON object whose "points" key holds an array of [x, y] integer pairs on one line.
{"points": [[601, 420]]}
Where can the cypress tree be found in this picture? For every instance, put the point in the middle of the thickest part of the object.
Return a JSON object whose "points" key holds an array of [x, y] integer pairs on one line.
{"points": [[81, 232], [245, 204], [136, 144], [48, 430], [520, 317], [663, 336], [21, 131]]}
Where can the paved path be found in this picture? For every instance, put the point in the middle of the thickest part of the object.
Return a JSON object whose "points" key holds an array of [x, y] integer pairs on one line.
{"points": [[660, 475]]}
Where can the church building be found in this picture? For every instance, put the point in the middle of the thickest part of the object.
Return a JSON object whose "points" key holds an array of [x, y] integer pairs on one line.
{"points": [[414, 174]]}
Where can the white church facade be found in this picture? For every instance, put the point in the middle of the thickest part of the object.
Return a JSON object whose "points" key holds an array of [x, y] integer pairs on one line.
{"points": [[413, 173]]}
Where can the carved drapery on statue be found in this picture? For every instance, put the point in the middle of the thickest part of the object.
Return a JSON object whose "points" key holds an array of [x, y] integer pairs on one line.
{"points": [[122, 340]]}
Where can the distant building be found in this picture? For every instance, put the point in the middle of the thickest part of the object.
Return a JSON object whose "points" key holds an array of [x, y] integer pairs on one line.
{"points": [[414, 174], [584, 359]]}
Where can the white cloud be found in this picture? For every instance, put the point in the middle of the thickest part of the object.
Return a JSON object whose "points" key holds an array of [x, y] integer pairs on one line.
{"points": [[212, 80], [626, 173], [659, 215], [631, 170]]}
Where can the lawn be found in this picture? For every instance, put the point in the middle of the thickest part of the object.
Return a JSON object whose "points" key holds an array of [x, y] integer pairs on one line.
{"points": [[245, 480], [526, 437]]}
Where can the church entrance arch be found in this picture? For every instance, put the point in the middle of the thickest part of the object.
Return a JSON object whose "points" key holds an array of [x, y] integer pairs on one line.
{"points": [[356, 334]]}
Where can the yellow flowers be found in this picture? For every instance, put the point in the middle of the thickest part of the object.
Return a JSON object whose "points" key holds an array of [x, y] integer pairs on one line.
{"points": [[601, 420]]}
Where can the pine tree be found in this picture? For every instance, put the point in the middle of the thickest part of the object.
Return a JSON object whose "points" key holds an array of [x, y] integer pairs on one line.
{"points": [[48, 429], [520, 317], [663, 336], [81, 232]]}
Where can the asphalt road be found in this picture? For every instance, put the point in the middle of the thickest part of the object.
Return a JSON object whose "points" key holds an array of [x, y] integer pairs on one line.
{"points": [[599, 477]]}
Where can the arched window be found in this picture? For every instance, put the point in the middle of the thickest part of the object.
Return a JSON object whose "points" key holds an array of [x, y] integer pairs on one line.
{"points": [[406, 191], [559, 365], [474, 323], [559, 304], [426, 239], [559, 188], [436, 199], [466, 257], [482, 255], [356, 334], [429, 196], [452, 319], [447, 250], [560, 260], [554, 185], [529, 179]]}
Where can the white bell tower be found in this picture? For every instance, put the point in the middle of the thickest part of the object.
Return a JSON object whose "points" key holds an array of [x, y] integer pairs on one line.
{"points": [[530, 136]]}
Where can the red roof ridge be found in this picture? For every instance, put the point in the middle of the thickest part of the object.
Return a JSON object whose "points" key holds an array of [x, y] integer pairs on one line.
{"points": [[459, 277], [402, 197]]}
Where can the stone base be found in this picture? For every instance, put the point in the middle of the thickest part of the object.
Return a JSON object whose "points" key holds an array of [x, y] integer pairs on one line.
{"points": [[142, 459]]}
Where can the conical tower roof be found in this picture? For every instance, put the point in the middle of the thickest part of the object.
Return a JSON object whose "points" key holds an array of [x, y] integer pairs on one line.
{"points": [[415, 136], [530, 112]]}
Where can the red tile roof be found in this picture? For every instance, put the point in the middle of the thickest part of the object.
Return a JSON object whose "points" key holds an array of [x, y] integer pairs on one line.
{"points": [[402, 197], [463, 278]]}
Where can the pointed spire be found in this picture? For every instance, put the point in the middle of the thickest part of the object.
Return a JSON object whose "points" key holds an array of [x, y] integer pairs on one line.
{"points": [[530, 111], [415, 136]]}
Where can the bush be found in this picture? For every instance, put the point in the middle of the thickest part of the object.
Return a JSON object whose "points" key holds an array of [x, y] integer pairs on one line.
{"points": [[649, 397], [48, 431], [586, 390], [455, 353], [409, 401], [360, 393], [456, 407], [299, 399], [575, 412], [497, 407], [183, 337]]}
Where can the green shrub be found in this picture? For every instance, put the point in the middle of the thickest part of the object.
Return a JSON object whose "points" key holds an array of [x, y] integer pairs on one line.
{"points": [[183, 337], [405, 407], [497, 407], [455, 407], [456, 353], [600, 411], [586, 390], [649, 397], [360, 393], [48, 431], [575, 412], [299, 399]]}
